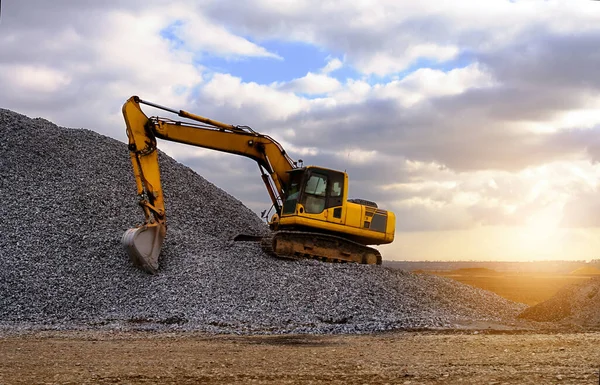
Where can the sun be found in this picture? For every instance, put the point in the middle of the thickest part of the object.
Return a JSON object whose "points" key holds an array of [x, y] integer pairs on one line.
{"points": [[541, 235]]}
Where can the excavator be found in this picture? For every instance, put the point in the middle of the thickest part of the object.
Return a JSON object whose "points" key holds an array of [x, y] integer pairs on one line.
{"points": [[313, 217]]}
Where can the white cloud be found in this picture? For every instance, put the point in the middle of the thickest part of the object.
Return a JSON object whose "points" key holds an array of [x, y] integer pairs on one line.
{"points": [[261, 102], [201, 34], [426, 83], [35, 79], [356, 155], [332, 65], [383, 62], [312, 84]]}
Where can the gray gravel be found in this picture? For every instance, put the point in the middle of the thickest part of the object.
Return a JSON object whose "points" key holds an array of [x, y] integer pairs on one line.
{"points": [[574, 305], [69, 194]]}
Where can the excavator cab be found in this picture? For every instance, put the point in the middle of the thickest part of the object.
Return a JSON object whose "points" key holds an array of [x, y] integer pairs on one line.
{"points": [[316, 200], [312, 190]]}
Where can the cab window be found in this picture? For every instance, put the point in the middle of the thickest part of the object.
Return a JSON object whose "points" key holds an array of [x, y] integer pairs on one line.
{"points": [[293, 191], [336, 189], [316, 185], [315, 194]]}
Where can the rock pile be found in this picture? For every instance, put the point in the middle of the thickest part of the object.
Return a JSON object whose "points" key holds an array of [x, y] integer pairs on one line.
{"points": [[577, 304], [69, 194]]}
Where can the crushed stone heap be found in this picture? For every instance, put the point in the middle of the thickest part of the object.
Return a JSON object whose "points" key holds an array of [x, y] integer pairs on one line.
{"points": [[69, 194], [575, 305]]}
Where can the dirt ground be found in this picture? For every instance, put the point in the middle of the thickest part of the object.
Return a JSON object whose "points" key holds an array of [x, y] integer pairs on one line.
{"points": [[392, 358]]}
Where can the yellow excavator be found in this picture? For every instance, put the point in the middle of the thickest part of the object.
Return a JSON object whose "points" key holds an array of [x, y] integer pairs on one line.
{"points": [[313, 217]]}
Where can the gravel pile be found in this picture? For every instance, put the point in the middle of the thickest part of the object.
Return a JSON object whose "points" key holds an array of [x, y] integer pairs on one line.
{"points": [[577, 304], [67, 197]]}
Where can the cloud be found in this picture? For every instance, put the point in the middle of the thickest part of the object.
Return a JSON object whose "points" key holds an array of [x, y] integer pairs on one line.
{"points": [[332, 65], [80, 74], [312, 84], [387, 36], [479, 121], [199, 34], [247, 103], [36, 78], [382, 63]]}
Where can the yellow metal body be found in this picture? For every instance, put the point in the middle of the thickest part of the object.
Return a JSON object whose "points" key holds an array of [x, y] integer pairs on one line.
{"points": [[359, 223], [354, 221], [351, 224]]}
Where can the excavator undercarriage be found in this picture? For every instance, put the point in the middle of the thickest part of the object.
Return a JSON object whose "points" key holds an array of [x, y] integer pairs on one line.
{"points": [[310, 245], [322, 247]]}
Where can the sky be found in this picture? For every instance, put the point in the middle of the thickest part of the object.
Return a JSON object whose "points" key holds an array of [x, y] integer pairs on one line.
{"points": [[476, 122]]}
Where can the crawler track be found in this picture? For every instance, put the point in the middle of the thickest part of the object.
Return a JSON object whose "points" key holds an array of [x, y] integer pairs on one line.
{"points": [[322, 247]]}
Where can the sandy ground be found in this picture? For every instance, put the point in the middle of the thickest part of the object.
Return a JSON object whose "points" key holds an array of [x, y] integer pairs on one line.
{"points": [[391, 358]]}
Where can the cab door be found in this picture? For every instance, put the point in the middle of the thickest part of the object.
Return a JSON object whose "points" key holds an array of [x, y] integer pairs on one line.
{"points": [[335, 198], [323, 195]]}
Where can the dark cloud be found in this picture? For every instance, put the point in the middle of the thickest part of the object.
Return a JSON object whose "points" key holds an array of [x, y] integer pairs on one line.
{"points": [[543, 59]]}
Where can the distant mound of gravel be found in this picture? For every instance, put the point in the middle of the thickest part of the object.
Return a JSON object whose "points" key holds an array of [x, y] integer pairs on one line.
{"points": [[69, 194], [576, 304]]}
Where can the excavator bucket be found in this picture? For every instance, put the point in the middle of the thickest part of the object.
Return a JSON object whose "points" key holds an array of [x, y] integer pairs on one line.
{"points": [[143, 245]]}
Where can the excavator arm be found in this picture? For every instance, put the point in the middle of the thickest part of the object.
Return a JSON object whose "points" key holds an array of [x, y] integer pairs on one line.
{"points": [[143, 243]]}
